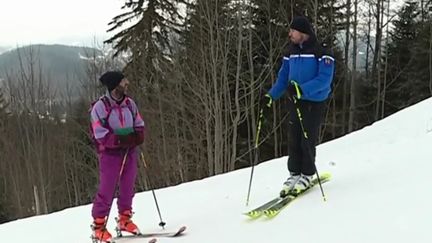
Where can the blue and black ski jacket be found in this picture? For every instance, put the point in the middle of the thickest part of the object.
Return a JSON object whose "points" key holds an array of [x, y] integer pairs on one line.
{"points": [[311, 65]]}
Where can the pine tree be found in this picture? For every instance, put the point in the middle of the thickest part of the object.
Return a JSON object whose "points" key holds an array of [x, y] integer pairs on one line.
{"points": [[149, 39], [403, 86], [423, 60], [149, 44]]}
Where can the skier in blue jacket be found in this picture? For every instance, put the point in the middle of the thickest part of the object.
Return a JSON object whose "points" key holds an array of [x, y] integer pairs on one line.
{"points": [[306, 73]]}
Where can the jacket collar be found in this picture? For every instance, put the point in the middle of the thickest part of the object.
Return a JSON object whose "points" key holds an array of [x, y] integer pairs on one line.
{"points": [[114, 101], [309, 42], [307, 46]]}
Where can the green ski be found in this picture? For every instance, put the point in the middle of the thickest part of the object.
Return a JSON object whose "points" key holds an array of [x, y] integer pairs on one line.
{"points": [[277, 207], [257, 212]]}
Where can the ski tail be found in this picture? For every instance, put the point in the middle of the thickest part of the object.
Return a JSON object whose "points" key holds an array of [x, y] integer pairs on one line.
{"points": [[169, 234], [257, 212]]}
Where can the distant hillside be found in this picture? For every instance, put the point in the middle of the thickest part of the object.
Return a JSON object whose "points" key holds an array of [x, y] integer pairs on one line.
{"points": [[3, 49], [61, 64]]}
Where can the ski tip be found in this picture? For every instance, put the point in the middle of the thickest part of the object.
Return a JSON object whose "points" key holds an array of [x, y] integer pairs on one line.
{"points": [[253, 214], [325, 175], [180, 231], [271, 213], [154, 240]]}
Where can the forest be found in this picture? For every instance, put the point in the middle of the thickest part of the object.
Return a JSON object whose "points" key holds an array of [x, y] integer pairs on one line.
{"points": [[199, 70]]}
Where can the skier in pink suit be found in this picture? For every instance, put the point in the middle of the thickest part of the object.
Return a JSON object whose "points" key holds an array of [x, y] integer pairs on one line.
{"points": [[118, 129]]}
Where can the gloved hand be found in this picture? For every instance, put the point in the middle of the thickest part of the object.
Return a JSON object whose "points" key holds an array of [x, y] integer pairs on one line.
{"points": [[127, 141], [115, 141], [139, 135], [133, 139], [294, 90], [112, 141]]}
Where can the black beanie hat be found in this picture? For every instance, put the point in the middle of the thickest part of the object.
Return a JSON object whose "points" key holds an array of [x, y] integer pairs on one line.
{"points": [[111, 79], [302, 24]]}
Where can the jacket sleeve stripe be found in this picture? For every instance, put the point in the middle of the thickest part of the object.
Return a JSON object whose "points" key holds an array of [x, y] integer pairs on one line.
{"points": [[302, 55], [326, 56]]}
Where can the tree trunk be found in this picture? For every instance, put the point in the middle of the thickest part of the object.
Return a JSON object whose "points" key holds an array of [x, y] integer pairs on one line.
{"points": [[236, 119], [353, 72], [368, 44], [383, 95], [376, 65], [346, 82]]}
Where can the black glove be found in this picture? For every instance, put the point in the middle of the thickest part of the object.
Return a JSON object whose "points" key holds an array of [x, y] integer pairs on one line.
{"points": [[294, 90]]}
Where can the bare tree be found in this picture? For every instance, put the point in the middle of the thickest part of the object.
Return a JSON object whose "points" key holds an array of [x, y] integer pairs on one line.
{"points": [[376, 65], [383, 93], [352, 108], [346, 63]]}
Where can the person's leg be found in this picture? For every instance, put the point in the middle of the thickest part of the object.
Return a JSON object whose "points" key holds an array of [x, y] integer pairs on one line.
{"points": [[109, 168], [127, 182], [126, 194], [312, 113], [295, 153]]}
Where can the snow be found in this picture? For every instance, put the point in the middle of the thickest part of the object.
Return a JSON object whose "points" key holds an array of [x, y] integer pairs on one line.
{"points": [[379, 192]]}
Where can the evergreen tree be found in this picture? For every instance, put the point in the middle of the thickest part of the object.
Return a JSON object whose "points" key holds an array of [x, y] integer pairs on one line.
{"points": [[149, 43], [423, 63], [149, 39], [403, 85]]}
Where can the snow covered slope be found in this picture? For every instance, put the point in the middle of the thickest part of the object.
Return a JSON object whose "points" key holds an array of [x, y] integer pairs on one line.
{"points": [[380, 192]]}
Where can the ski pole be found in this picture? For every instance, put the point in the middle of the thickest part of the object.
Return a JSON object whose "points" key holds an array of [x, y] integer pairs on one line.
{"points": [[116, 184], [161, 223], [305, 136], [258, 131]]}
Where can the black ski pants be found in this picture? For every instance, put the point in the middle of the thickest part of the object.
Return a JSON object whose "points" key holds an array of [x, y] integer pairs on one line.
{"points": [[302, 150]]}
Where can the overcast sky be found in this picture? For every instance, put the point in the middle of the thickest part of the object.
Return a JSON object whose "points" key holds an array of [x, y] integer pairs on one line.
{"points": [[70, 22], [74, 22]]}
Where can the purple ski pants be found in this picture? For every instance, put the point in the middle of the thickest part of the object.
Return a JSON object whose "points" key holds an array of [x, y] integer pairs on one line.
{"points": [[110, 163]]}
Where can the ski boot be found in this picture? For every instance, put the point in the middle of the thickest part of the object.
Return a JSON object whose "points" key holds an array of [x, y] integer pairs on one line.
{"points": [[289, 185], [302, 184], [100, 233], [125, 224]]}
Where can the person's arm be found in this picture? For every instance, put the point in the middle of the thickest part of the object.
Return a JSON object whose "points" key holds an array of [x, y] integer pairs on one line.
{"points": [[282, 81], [139, 125], [102, 135], [324, 78]]}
